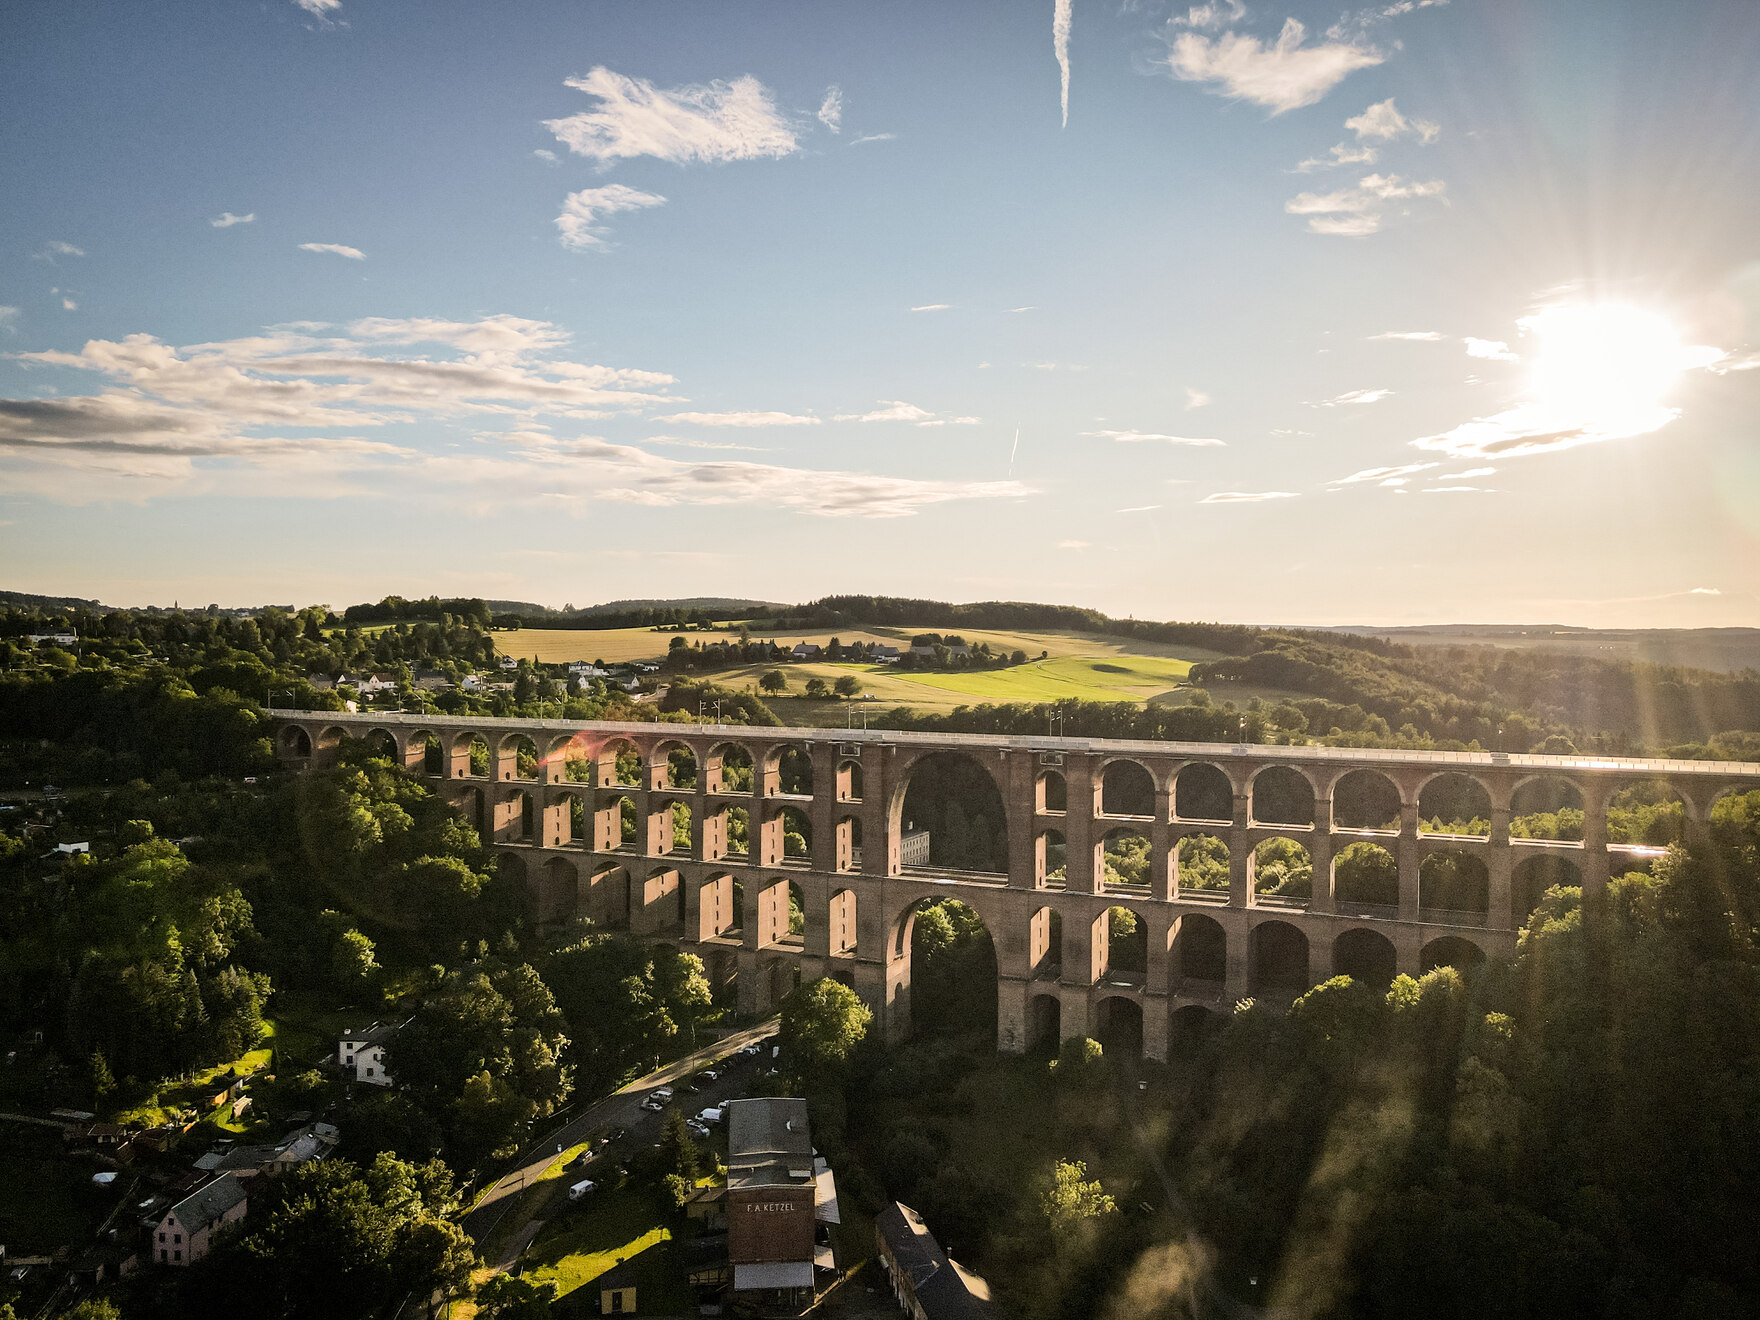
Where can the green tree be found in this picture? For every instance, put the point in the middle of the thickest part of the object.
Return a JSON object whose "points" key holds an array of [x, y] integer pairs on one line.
{"points": [[822, 1023], [847, 685], [817, 690], [773, 681], [509, 1297], [1073, 1197]]}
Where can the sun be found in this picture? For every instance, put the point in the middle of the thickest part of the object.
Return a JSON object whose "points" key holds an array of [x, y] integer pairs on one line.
{"points": [[1609, 367]]}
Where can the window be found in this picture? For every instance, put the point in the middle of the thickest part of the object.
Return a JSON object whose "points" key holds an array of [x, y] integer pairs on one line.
{"points": [[161, 1235], [164, 1255], [369, 1071], [177, 1256], [617, 1300], [177, 1237]]}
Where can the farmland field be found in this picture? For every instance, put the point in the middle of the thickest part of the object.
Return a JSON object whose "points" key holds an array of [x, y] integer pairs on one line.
{"points": [[1075, 667]]}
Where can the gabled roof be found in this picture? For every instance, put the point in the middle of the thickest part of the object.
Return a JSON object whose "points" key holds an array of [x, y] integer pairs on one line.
{"points": [[207, 1204], [944, 1289]]}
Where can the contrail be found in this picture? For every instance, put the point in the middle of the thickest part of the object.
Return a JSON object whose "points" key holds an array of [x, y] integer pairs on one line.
{"points": [[1014, 451], [1060, 47]]}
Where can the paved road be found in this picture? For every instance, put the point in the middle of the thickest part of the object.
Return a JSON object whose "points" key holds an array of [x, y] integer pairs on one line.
{"points": [[622, 1108]]}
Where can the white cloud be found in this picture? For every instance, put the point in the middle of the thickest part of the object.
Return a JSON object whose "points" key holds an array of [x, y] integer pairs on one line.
{"points": [[211, 417], [1030, 307], [1356, 211], [1424, 336], [1383, 475], [1061, 15], [340, 249], [1452, 490], [1247, 497], [1212, 15], [1342, 154], [1288, 432], [683, 443], [581, 211], [545, 154], [1735, 362], [1383, 122], [709, 122], [1705, 591], [1139, 508], [741, 419], [68, 304], [932, 307], [831, 109], [873, 137], [1196, 399], [322, 10], [897, 410], [1355, 396], [57, 248], [1072, 545], [1493, 350], [1140, 437], [225, 220], [1283, 76]]}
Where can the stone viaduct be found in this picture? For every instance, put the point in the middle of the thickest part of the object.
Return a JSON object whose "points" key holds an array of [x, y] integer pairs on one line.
{"points": [[565, 827]]}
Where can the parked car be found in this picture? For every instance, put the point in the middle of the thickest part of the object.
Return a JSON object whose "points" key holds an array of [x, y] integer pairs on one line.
{"points": [[661, 1093], [711, 1074], [580, 1161], [697, 1129], [654, 1105], [580, 1189]]}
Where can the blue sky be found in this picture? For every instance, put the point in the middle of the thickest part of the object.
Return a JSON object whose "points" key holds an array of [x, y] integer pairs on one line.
{"points": [[1413, 313]]}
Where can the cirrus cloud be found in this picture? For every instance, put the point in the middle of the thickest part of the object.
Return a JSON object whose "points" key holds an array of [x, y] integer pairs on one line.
{"points": [[579, 222], [1247, 496], [335, 249], [1140, 437], [741, 419], [707, 122]]}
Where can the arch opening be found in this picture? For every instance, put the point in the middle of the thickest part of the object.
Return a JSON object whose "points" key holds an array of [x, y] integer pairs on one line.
{"points": [[849, 781], [1050, 859], [842, 918], [1454, 887], [1365, 801], [1450, 951], [797, 835], [739, 833], [1456, 806], [1126, 789], [1201, 866], [1119, 1027], [1050, 793], [1045, 1016], [296, 742], [1365, 880], [1645, 818], [1123, 860], [788, 771], [729, 769], [1121, 947], [1281, 870], [1200, 953], [519, 758], [1533, 877], [952, 800], [1202, 792], [849, 843], [953, 985], [1547, 808], [1045, 944], [1277, 960], [681, 767], [1365, 955], [1281, 795]]}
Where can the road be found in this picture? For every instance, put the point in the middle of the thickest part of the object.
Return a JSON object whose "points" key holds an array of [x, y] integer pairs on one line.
{"points": [[622, 1108]]}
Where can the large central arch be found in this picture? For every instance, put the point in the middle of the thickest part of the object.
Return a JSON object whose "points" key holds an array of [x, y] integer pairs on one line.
{"points": [[942, 970], [954, 799]]}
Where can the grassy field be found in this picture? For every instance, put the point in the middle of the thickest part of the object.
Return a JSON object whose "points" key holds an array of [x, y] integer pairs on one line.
{"points": [[609, 1225], [1066, 666]]}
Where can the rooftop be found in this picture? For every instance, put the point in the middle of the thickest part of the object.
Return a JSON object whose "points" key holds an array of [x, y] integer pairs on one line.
{"points": [[203, 1206], [945, 1289], [769, 1144]]}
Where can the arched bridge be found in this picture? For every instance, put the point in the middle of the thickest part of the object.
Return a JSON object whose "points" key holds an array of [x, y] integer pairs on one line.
{"points": [[702, 834]]}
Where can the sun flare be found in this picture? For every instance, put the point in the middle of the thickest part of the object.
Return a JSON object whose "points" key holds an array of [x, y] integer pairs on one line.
{"points": [[1609, 367]]}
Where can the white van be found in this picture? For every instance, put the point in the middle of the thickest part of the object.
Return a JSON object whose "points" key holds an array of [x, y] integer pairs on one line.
{"points": [[711, 1115], [580, 1189]]}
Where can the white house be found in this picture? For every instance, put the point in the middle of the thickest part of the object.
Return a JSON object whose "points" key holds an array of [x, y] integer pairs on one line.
{"points": [[363, 1052], [187, 1231]]}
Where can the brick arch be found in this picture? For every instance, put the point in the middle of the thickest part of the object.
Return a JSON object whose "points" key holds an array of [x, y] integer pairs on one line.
{"points": [[1148, 775], [1275, 768], [988, 760]]}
